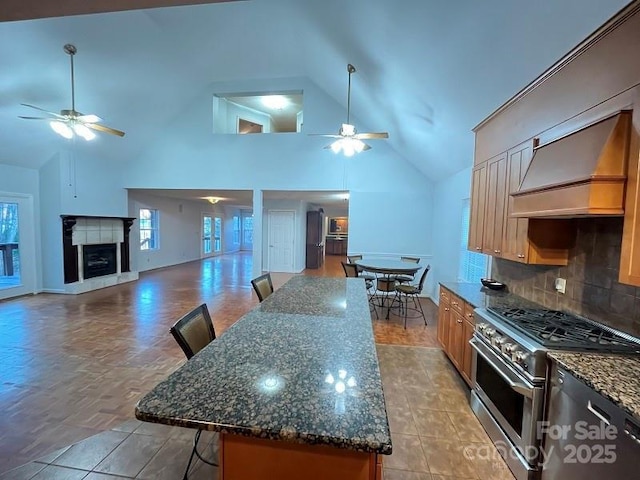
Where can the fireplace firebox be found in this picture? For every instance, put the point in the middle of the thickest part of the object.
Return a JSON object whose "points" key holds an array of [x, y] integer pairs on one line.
{"points": [[99, 260]]}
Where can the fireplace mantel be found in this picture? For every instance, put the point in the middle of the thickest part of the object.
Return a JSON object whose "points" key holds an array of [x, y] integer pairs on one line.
{"points": [[70, 250]]}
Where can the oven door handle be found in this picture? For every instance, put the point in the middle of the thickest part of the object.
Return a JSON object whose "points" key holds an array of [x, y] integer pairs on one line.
{"points": [[520, 388]]}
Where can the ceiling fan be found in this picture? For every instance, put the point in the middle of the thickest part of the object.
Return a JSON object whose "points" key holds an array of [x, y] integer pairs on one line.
{"points": [[348, 140], [70, 123]]}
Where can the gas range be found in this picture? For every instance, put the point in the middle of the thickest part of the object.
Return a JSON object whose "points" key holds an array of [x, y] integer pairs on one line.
{"points": [[523, 336], [510, 366]]}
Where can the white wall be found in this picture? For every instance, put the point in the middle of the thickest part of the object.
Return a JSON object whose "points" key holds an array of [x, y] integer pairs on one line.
{"points": [[180, 230], [51, 181], [447, 227], [24, 182]]}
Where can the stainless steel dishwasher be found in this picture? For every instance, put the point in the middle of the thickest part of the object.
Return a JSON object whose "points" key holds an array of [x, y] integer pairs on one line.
{"points": [[586, 436]]}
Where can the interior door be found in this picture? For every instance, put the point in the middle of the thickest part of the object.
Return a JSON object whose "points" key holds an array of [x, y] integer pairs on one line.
{"points": [[206, 247], [17, 246], [281, 241]]}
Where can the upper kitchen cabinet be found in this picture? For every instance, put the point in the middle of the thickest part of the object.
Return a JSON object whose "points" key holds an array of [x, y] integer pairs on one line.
{"points": [[494, 205], [478, 206], [630, 251], [515, 241]]}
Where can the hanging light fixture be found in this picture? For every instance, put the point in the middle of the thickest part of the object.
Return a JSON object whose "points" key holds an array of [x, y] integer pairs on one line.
{"points": [[348, 141]]}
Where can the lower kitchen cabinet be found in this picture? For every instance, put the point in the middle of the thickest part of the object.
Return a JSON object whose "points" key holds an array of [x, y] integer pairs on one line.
{"points": [[455, 329]]}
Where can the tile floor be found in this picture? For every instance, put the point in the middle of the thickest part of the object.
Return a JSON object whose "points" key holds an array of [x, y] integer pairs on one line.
{"points": [[435, 435]]}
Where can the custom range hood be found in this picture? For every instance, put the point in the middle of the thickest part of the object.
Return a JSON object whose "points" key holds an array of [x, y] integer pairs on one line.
{"points": [[581, 174]]}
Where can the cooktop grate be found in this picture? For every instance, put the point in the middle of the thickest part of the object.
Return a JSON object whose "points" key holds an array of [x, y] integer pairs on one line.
{"points": [[561, 330]]}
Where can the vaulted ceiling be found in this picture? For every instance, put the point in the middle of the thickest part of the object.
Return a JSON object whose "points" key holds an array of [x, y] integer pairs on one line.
{"points": [[428, 70]]}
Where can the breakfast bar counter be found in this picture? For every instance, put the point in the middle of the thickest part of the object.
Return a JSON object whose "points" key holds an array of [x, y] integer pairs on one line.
{"points": [[293, 387]]}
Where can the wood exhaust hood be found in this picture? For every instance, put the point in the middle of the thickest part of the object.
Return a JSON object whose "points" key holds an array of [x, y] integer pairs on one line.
{"points": [[581, 174]]}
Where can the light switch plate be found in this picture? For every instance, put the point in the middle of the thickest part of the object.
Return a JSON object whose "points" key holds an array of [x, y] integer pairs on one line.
{"points": [[561, 284]]}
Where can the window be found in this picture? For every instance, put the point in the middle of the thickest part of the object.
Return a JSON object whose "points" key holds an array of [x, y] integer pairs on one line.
{"points": [[217, 235], [247, 230], [148, 229], [236, 230], [473, 266]]}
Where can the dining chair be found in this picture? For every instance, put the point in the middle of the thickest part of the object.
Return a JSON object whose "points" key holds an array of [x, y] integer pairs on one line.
{"points": [[263, 286], [193, 332], [412, 291], [407, 278], [351, 270], [362, 274]]}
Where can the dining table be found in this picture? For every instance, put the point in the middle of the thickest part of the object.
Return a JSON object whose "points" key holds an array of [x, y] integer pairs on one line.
{"points": [[293, 387], [386, 269]]}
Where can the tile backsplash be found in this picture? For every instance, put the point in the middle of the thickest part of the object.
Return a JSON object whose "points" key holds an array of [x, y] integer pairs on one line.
{"points": [[592, 287]]}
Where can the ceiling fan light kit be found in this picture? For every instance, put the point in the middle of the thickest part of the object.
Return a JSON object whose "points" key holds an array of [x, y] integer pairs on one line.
{"points": [[348, 141], [71, 123]]}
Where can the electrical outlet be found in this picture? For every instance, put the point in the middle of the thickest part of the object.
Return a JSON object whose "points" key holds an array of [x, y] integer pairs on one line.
{"points": [[561, 284]]}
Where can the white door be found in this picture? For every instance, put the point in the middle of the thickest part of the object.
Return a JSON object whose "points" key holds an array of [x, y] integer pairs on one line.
{"points": [[281, 240], [17, 246], [206, 246]]}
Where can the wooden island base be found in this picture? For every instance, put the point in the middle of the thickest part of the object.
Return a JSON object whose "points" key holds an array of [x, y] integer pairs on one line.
{"points": [[246, 458]]}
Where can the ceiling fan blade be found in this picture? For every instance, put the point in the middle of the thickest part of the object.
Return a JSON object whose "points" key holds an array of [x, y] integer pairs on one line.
{"points": [[91, 118], [42, 110], [34, 118], [102, 128], [328, 135], [369, 136], [366, 147]]}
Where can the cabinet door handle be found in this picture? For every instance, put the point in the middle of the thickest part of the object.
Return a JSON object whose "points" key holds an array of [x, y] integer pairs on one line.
{"points": [[446, 309], [459, 321], [470, 315], [455, 304], [496, 251], [478, 248]]}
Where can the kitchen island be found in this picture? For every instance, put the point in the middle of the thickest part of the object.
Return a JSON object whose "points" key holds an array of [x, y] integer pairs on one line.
{"points": [[293, 387]]}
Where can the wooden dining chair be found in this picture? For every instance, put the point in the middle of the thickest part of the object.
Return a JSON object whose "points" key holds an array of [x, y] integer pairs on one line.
{"points": [[263, 286], [193, 332]]}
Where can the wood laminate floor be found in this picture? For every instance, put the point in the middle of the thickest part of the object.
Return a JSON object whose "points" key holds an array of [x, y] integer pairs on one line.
{"points": [[72, 366]]}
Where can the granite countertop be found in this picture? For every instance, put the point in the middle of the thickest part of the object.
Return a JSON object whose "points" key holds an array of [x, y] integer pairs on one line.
{"points": [[300, 367], [479, 296], [615, 377]]}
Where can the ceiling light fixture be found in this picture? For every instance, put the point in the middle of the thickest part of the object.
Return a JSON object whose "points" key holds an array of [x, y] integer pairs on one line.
{"points": [[211, 200], [348, 141], [71, 123], [277, 102]]}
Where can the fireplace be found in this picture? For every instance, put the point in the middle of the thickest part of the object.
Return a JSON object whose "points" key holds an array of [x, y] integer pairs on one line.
{"points": [[99, 260], [96, 252]]}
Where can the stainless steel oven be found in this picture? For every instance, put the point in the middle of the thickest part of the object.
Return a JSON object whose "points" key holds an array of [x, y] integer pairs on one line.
{"points": [[509, 406], [510, 372]]}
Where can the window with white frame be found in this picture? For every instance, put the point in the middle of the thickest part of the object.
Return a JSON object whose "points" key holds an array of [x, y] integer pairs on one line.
{"points": [[236, 230], [149, 229], [473, 266]]}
